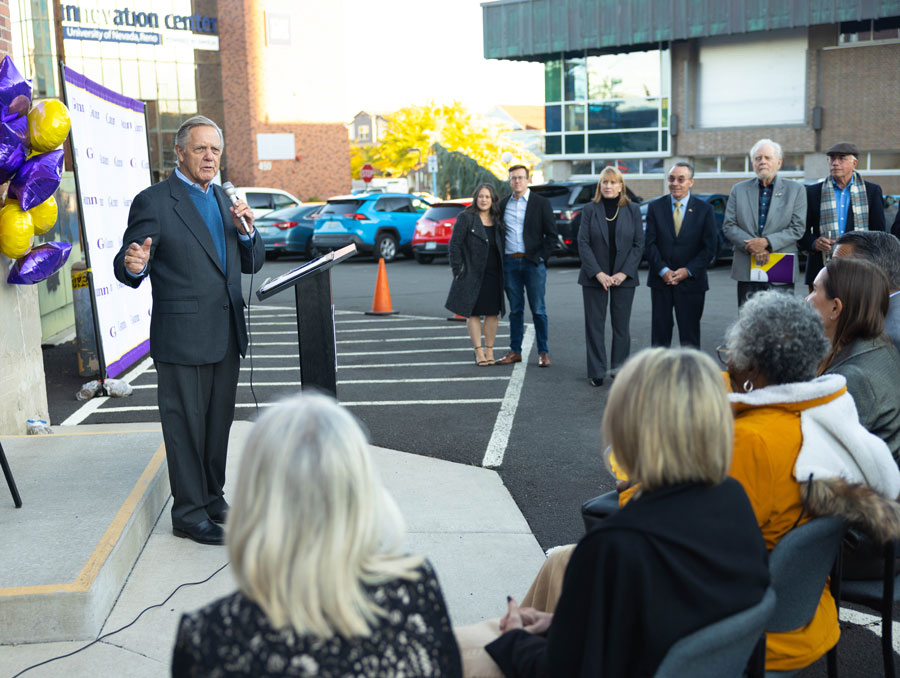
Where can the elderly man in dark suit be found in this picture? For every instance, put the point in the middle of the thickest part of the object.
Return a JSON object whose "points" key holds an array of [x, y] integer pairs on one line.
{"points": [[530, 231], [840, 203], [194, 245], [883, 250], [680, 240], [764, 215]]}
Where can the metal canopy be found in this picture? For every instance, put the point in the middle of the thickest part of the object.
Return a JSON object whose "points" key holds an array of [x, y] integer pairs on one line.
{"points": [[534, 30]]}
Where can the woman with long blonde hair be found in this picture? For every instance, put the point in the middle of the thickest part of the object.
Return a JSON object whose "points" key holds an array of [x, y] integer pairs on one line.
{"points": [[324, 587]]}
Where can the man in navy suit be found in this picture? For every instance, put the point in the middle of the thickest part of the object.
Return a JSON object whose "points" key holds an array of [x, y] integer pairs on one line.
{"points": [[193, 245], [679, 242]]}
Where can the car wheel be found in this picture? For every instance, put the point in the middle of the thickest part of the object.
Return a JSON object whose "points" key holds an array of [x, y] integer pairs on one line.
{"points": [[311, 250], [424, 258], [386, 247], [271, 254]]}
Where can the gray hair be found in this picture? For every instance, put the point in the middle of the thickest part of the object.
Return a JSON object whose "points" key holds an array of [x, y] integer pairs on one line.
{"points": [[181, 136], [779, 335], [311, 525], [879, 247], [766, 142], [684, 163]]}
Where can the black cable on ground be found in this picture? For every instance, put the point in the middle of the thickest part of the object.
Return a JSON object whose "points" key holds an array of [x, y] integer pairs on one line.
{"points": [[131, 623]]}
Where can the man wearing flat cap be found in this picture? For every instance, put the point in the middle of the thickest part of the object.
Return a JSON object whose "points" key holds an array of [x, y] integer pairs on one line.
{"points": [[839, 203]]}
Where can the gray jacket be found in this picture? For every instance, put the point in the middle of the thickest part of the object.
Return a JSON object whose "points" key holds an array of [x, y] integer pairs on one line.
{"points": [[469, 247], [872, 370], [593, 244], [785, 221], [892, 320]]}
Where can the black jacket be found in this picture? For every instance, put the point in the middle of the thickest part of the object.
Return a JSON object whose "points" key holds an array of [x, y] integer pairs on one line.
{"points": [[469, 250], [692, 249], [815, 261], [194, 301], [540, 228], [669, 563]]}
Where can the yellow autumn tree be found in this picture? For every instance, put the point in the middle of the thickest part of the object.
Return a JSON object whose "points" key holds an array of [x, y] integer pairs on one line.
{"points": [[412, 131]]}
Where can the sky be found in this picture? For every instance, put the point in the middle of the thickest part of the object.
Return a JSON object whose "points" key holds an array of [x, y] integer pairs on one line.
{"points": [[421, 50]]}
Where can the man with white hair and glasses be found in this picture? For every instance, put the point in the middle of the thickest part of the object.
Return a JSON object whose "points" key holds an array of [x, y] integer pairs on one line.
{"points": [[764, 215]]}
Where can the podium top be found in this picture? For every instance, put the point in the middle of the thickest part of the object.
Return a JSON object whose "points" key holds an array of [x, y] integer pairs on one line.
{"points": [[326, 261]]}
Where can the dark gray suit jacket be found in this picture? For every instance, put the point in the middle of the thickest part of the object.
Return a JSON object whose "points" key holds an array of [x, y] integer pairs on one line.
{"points": [[593, 244], [195, 301], [872, 370]]}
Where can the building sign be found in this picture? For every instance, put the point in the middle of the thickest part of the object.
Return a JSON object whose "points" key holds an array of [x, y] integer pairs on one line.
{"points": [[137, 27]]}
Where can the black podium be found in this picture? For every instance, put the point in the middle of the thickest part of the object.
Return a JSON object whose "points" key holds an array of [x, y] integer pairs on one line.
{"points": [[316, 341]]}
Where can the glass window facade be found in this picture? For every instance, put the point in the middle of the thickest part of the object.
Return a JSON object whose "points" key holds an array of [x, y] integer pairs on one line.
{"points": [[609, 105], [177, 78]]}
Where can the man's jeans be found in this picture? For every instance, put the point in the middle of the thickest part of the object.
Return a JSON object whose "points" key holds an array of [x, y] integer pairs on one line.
{"points": [[521, 276]]}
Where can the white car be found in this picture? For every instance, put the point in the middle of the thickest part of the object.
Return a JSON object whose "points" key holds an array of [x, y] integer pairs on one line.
{"points": [[265, 200]]}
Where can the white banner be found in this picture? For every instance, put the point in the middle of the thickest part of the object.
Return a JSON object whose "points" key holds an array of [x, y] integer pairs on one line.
{"points": [[112, 165]]}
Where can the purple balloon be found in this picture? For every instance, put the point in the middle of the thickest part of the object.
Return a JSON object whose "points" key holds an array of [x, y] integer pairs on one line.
{"points": [[38, 179], [40, 263], [12, 153], [12, 84]]}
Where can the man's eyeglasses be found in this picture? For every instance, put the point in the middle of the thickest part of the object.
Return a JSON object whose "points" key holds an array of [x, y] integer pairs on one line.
{"points": [[678, 180], [517, 178]]}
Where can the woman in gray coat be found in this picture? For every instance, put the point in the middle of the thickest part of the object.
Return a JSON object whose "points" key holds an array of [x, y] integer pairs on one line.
{"points": [[852, 297], [476, 258], [610, 244]]}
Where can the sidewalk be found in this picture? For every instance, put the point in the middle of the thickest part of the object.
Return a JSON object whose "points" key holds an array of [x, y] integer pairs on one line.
{"points": [[461, 517]]}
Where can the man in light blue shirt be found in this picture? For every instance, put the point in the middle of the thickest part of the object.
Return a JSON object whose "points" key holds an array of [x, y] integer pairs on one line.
{"points": [[530, 234]]}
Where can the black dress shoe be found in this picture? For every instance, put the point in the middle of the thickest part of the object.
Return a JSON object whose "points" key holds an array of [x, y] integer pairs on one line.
{"points": [[204, 532], [596, 382], [220, 517]]}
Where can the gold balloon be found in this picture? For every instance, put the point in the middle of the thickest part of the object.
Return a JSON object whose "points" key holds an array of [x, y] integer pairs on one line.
{"points": [[43, 216], [16, 230], [48, 125]]}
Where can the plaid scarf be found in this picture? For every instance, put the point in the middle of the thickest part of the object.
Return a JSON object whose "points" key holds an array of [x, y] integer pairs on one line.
{"points": [[859, 203]]}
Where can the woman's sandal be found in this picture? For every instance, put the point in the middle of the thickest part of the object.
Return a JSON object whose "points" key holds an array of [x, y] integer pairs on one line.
{"points": [[480, 360], [489, 354]]}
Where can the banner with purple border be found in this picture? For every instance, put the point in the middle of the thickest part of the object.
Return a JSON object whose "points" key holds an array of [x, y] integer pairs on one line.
{"points": [[112, 165]]}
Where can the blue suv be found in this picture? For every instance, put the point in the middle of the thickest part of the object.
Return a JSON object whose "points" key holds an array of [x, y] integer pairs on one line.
{"points": [[381, 224]]}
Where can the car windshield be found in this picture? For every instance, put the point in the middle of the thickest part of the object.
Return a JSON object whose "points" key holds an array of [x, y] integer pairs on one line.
{"points": [[341, 206], [557, 195], [441, 212]]}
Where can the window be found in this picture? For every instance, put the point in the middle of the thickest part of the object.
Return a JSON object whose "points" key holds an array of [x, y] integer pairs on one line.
{"points": [[607, 104], [280, 201], [261, 201], [363, 133], [851, 32]]}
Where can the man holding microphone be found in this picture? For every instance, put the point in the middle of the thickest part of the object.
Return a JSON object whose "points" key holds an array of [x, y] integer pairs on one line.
{"points": [[193, 245]]}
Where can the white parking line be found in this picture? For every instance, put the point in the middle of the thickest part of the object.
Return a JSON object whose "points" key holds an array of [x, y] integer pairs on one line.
{"points": [[872, 622], [360, 403], [496, 449], [376, 341], [382, 330], [93, 404], [423, 380]]}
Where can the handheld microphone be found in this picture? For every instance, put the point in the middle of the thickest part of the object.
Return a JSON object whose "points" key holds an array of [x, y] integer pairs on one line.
{"points": [[228, 187]]}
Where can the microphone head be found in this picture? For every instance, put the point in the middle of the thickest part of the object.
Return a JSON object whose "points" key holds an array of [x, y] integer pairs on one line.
{"points": [[228, 187]]}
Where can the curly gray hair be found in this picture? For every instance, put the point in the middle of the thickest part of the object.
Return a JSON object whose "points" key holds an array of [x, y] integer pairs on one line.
{"points": [[779, 335]]}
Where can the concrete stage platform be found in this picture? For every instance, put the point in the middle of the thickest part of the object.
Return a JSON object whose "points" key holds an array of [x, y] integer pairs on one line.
{"points": [[93, 546]]}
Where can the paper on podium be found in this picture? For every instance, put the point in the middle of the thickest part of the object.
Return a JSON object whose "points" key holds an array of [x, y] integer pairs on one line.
{"points": [[778, 269]]}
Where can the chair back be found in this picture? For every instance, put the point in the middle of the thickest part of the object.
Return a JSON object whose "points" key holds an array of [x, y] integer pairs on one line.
{"points": [[720, 650], [799, 566]]}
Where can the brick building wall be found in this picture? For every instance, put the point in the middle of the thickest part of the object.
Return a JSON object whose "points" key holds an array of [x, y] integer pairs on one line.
{"points": [[321, 166]]}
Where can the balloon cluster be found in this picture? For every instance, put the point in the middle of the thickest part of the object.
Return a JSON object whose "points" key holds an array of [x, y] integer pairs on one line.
{"points": [[31, 161]]}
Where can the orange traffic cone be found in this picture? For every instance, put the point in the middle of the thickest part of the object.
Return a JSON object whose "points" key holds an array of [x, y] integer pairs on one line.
{"points": [[457, 316], [381, 302]]}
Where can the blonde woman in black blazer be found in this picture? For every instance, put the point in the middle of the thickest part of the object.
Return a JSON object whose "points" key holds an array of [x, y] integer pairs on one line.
{"points": [[610, 244]]}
